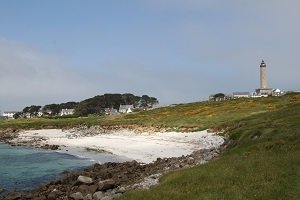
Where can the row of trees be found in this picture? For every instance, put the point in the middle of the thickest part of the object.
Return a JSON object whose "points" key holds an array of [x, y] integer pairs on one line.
{"points": [[47, 110], [95, 105]]}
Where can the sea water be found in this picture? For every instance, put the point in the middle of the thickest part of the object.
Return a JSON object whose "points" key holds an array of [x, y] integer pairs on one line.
{"points": [[23, 168]]}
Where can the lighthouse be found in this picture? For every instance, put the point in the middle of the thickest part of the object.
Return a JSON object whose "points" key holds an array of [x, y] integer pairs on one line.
{"points": [[263, 76], [263, 90]]}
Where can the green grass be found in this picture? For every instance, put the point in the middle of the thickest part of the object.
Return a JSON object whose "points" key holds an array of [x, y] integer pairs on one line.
{"points": [[262, 162], [39, 123]]}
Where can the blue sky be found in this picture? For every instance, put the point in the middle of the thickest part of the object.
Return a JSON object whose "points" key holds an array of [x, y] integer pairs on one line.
{"points": [[178, 51]]}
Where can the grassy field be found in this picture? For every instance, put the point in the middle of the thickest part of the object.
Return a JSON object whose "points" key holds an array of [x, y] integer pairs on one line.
{"points": [[200, 115], [261, 162]]}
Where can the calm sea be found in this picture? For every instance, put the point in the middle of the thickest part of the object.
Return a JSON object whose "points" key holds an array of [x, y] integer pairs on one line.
{"points": [[24, 168]]}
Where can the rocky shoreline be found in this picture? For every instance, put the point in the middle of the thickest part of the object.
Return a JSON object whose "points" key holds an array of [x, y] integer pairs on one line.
{"points": [[110, 180]]}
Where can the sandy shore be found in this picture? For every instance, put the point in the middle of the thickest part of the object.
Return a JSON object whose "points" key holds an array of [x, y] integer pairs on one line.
{"points": [[142, 147]]}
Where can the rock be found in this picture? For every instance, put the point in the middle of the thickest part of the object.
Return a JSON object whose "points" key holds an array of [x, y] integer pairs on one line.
{"points": [[76, 196], [116, 196], [52, 196], [106, 185], [87, 189], [85, 179], [121, 190], [98, 195], [50, 147], [88, 197], [190, 160], [107, 198], [93, 188], [1, 190], [84, 189], [14, 196]]}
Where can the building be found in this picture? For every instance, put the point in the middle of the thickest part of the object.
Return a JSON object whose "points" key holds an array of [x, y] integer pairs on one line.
{"points": [[237, 95], [218, 97], [263, 90], [9, 114], [126, 108], [110, 111], [277, 92], [66, 112]]}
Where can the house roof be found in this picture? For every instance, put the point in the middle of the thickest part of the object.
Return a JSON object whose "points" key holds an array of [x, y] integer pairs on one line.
{"points": [[276, 90], [241, 93], [67, 110], [5, 112], [125, 106]]}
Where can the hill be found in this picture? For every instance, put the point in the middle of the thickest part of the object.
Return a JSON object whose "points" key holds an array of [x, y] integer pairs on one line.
{"points": [[192, 116], [261, 161]]}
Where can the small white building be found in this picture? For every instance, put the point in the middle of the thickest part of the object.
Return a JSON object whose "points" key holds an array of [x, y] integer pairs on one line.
{"points": [[110, 111], [9, 114], [237, 95], [277, 92], [40, 114], [255, 95], [126, 108], [66, 112]]}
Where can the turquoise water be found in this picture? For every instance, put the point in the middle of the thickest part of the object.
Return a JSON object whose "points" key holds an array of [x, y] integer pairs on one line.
{"points": [[24, 168]]}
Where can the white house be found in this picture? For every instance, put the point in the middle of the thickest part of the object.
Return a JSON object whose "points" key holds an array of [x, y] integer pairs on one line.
{"points": [[255, 95], [9, 114], [66, 112], [40, 114], [111, 111], [277, 92], [126, 108], [237, 95]]}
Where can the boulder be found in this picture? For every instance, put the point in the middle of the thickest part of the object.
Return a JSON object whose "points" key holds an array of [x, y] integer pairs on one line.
{"points": [[98, 195], [106, 184], [52, 196], [121, 190], [77, 196], [88, 197], [87, 189], [107, 198], [83, 189], [93, 188], [190, 160], [14, 196], [84, 179]]}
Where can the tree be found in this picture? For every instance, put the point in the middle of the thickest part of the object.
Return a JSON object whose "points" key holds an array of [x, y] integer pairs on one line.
{"points": [[69, 105], [147, 101], [52, 109], [17, 115], [97, 104], [32, 110], [219, 97]]}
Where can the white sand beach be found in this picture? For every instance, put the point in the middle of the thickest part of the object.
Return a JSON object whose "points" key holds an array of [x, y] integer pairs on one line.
{"points": [[142, 147]]}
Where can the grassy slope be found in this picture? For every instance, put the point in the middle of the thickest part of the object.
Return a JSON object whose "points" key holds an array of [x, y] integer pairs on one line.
{"points": [[200, 115], [262, 162]]}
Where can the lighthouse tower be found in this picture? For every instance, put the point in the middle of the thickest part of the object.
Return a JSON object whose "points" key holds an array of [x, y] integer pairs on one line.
{"points": [[263, 90], [263, 78]]}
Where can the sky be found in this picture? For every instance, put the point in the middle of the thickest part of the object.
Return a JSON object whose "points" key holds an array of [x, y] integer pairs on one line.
{"points": [[55, 51]]}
